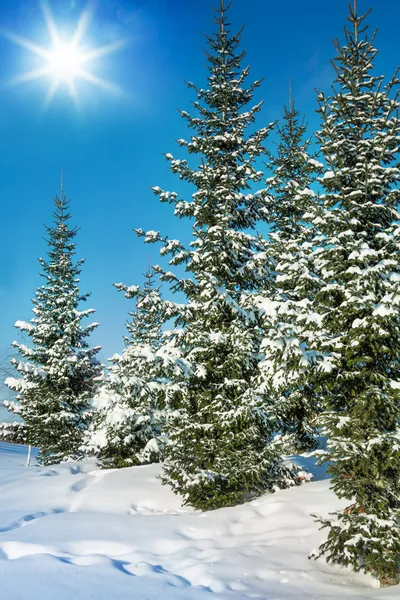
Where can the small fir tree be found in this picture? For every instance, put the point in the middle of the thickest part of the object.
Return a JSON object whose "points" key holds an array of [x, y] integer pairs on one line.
{"points": [[14, 432], [359, 308], [57, 371], [129, 427], [287, 358], [221, 428]]}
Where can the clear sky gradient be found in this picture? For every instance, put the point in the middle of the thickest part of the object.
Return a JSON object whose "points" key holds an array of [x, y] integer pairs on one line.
{"points": [[111, 147]]}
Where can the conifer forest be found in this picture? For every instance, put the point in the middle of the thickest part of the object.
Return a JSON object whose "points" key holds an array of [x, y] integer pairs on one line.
{"points": [[274, 333]]}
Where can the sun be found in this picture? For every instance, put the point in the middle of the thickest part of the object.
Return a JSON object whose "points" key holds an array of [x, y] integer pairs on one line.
{"points": [[65, 62]]}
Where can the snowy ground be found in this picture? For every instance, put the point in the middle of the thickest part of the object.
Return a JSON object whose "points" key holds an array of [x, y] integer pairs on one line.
{"points": [[73, 532]]}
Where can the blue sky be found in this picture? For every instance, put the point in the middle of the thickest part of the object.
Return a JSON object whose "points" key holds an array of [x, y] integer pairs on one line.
{"points": [[111, 148]]}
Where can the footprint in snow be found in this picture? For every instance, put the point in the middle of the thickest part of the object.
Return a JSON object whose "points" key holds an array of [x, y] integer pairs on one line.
{"points": [[27, 519]]}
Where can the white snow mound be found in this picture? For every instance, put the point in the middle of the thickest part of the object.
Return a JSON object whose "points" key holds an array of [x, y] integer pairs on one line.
{"points": [[74, 532]]}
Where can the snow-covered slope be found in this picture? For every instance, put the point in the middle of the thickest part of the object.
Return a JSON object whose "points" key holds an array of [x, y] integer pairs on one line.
{"points": [[73, 532]]}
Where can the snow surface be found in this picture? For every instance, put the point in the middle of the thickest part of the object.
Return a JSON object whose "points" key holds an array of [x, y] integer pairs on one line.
{"points": [[74, 532]]}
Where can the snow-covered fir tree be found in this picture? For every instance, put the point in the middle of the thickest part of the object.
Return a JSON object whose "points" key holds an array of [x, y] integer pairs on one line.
{"points": [[289, 324], [129, 426], [15, 432], [58, 368], [221, 429], [359, 259]]}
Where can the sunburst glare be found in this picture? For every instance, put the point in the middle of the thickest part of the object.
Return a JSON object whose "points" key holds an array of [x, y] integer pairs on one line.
{"points": [[65, 61]]}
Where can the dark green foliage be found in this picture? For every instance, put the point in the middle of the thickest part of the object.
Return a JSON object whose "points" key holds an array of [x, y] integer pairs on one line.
{"points": [[290, 328], [57, 376], [129, 425], [359, 261], [221, 427]]}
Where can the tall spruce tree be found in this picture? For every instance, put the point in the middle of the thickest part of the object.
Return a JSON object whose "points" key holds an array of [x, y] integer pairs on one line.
{"points": [[221, 429], [287, 358], [129, 426], [359, 307], [58, 370]]}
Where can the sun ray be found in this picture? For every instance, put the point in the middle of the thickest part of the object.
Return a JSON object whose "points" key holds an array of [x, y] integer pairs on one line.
{"points": [[81, 28], [50, 93], [30, 76], [102, 83], [51, 26], [98, 52], [73, 92], [27, 44], [66, 61]]}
